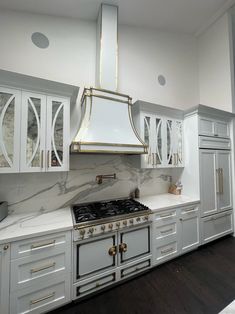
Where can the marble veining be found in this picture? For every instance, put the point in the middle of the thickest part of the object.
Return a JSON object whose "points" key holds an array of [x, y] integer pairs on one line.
{"points": [[44, 192]]}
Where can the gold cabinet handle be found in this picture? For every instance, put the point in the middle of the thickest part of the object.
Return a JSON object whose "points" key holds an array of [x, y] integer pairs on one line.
{"points": [[153, 159], [112, 251], [166, 216], [218, 181], [122, 247], [35, 270], [43, 298], [156, 159], [41, 245], [222, 180], [48, 158], [42, 156]]}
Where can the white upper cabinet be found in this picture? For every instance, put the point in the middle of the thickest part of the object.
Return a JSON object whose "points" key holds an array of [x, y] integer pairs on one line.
{"points": [[213, 127], [58, 134], [164, 138], [35, 132], [10, 100]]}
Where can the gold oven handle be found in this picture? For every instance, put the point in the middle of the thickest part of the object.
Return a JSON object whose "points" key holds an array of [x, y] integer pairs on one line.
{"points": [[112, 251], [122, 247]]}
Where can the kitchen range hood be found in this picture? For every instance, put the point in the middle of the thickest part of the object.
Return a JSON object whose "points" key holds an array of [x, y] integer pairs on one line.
{"points": [[106, 122]]}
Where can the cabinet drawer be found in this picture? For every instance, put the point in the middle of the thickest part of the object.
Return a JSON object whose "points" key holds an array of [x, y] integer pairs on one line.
{"points": [[189, 211], [162, 232], [29, 271], [54, 294], [214, 142], [166, 252], [94, 284], [44, 244], [165, 217], [216, 226], [135, 269]]}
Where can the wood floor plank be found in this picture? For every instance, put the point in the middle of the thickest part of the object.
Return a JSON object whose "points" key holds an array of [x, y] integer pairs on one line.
{"points": [[201, 282]]}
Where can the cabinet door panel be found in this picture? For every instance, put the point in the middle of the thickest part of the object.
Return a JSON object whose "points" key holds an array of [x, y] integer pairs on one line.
{"points": [[222, 129], [136, 242], [190, 232], [206, 126], [9, 130], [33, 132], [178, 143], [208, 182], [146, 126], [95, 256], [169, 143], [158, 126], [58, 134], [224, 195], [4, 278]]}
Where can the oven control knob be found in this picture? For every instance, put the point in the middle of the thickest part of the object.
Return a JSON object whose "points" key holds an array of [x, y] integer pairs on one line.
{"points": [[131, 221], [111, 226], [124, 222], [118, 224], [91, 230], [102, 227], [82, 232], [146, 218], [138, 219]]}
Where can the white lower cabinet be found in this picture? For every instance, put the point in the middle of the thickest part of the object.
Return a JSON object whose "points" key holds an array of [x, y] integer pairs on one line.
{"points": [[40, 270], [175, 232], [4, 278], [189, 229], [216, 226]]}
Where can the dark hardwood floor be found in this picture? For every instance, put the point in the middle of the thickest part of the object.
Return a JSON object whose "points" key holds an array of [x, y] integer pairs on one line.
{"points": [[202, 281]]}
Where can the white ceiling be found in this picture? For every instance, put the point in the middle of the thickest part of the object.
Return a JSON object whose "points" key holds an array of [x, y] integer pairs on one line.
{"points": [[187, 16]]}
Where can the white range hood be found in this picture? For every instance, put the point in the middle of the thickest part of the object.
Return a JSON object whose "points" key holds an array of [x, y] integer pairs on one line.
{"points": [[106, 122]]}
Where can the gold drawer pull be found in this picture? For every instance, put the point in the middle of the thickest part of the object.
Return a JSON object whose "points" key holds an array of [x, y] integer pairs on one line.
{"points": [[167, 251], [43, 298], [188, 211], [35, 270], [41, 245], [165, 231]]}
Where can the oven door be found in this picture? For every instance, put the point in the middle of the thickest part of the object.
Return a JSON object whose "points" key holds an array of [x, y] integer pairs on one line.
{"points": [[134, 243], [95, 255]]}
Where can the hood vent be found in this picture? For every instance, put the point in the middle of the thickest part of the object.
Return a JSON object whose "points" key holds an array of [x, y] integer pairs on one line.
{"points": [[106, 121]]}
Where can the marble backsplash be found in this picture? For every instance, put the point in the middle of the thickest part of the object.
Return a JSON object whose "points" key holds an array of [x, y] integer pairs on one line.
{"points": [[27, 192]]}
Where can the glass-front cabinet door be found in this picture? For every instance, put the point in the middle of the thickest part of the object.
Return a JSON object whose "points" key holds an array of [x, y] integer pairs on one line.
{"points": [[178, 158], [33, 132], [10, 100], [158, 138], [147, 136], [58, 134]]}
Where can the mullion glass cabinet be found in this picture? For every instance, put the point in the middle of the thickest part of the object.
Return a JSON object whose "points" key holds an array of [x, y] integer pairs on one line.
{"points": [[164, 136], [34, 132]]}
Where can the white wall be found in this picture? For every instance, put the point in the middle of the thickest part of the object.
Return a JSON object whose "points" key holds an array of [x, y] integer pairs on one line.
{"points": [[70, 58], [215, 70], [145, 53]]}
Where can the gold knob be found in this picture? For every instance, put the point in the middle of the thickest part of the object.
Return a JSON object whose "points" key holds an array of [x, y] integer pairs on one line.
{"points": [[146, 218], [124, 222], [138, 219], [123, 247], [91, 230], [82, 232], [102, 227], [6, 247], [118, 224], [131, 221], [113, 251], [110, 226]]}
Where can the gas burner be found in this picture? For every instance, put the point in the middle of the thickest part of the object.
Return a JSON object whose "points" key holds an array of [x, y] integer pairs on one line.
{"points": [[102, 210]]}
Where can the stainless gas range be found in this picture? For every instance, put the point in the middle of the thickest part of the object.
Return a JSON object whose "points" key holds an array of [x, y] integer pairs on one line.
{"points": [[112, 241]]}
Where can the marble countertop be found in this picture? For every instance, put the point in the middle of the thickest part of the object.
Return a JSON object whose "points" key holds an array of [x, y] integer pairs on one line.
{"points": [[21, 226], [166, 201]]}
